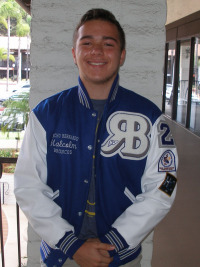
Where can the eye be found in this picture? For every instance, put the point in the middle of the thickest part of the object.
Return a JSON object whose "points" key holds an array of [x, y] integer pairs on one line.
{"points": [[109, 44], [86, 43]]}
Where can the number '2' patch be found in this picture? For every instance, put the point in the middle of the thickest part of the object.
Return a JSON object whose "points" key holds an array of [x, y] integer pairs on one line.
{"points": [[165, 136], [169, 184]]}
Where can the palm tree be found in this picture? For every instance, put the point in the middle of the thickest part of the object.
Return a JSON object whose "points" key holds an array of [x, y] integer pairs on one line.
{"points": [[22, 30], [3, 22], [4, 54], [28, 20], [14, 110], [8, 9]]}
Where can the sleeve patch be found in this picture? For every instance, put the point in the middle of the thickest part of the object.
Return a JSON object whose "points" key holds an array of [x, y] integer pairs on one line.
{"points": [[165, 137], [169, 184], [167, 162]]}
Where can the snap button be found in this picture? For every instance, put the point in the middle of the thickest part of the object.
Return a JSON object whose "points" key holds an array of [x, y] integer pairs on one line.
{"points": [[80, 213], [86, 181], [89, 147], [94, 114], [60, 260]]}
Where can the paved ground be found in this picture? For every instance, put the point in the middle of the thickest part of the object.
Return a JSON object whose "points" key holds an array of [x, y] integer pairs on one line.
{"points": [[9, 208]]}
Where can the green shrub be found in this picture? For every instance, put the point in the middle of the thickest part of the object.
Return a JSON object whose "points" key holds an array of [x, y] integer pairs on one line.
{"points": [[9, 168], [6, 153]]}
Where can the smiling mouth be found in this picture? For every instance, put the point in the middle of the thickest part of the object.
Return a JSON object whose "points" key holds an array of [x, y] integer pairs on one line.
{"points": [[97, 63]]}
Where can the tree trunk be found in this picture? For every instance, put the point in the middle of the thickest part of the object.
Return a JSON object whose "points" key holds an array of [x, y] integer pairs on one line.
{"points": [[8, 53], [19, 66], [27, 50]]}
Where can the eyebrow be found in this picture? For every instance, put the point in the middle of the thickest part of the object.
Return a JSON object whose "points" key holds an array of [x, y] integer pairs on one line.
{"points": [[104, 38]]}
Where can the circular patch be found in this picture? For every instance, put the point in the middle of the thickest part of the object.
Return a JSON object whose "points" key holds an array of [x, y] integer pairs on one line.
{"points": [[167, 162]]}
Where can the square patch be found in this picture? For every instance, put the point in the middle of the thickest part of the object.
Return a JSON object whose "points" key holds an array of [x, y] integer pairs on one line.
{"points": [[168, 184]]}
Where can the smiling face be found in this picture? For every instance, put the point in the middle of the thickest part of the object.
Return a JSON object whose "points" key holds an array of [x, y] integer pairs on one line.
{"points": [[98, 54]]}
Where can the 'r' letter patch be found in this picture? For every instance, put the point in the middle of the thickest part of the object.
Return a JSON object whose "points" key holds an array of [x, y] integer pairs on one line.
{"points": [[169, 184]]}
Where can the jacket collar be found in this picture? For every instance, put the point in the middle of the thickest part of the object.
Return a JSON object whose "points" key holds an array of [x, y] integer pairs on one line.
{"points": [[85, 99]]}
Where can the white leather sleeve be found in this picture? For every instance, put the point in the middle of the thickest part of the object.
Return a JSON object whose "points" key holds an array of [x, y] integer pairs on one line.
{"points": [[34, 197], [151, 206]]}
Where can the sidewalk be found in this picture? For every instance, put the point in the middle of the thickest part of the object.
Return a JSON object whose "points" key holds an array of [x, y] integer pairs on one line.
{"points": [[9, 208], [11, 85], [7, 143]]}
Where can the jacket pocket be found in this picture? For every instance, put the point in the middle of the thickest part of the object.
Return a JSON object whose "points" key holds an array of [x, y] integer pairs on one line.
{"points": [[129, 195]]}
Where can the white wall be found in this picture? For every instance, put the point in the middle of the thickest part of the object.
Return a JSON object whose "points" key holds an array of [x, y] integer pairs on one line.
{"points": [[53, 22], [53, 69]]}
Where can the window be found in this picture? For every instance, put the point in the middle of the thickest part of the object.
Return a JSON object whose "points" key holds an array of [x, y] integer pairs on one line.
{"points": [[195, 98], [181, 90], [170, 79], [184, 67]]}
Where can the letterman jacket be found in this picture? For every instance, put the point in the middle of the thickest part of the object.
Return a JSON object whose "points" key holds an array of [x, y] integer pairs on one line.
{"points": [[136, 163]]}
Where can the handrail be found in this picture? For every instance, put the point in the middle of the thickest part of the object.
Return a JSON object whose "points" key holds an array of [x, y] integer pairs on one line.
{"points": [[5, 192], [9, 160], [1, 231]]}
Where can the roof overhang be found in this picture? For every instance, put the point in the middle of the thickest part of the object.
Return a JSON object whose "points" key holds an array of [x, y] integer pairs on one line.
{"points": [[25, 4]]}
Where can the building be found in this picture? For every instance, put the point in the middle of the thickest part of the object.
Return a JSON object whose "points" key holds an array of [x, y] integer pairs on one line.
{"points": [[181, 92], [23, 60]]}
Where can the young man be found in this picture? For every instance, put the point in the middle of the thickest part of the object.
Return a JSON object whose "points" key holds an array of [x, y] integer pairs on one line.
{"points": [[96, 172]]}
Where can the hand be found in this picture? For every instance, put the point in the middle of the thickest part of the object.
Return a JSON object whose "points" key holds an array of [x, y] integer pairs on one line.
{"points": [[102, 252], [93, 253]]}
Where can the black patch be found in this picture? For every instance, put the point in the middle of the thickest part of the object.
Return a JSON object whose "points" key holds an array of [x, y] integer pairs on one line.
{"points": [[169, 184]]}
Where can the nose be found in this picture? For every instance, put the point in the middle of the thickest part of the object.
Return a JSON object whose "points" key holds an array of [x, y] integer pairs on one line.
{"points": [[97, 49]]}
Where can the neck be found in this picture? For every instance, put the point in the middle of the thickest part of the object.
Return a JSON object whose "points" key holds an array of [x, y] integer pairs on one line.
{"points": [[98, 91]]}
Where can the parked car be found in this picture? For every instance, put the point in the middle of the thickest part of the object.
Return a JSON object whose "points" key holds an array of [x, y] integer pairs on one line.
{"points": [[22, 88], [21, 93], [4, 96], [19, 96], [1, 109]]}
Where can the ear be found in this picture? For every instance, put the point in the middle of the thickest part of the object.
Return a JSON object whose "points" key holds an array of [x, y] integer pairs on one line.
{"points": [[123, 57], [74, 55]]}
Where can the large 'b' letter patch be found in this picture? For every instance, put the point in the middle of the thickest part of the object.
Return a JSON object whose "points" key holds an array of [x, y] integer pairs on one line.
{"points": [[128, 135]]}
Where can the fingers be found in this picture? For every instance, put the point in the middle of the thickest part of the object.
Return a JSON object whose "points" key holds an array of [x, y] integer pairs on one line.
{"points": [[93, 254], [103, 246], [104, 253], [100, 245]]}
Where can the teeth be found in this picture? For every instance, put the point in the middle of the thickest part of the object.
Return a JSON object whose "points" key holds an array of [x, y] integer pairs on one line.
{"points": [[96, 64]]}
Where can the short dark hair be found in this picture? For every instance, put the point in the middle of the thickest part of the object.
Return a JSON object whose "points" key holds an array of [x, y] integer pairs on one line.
{"points": [[101, 14]]}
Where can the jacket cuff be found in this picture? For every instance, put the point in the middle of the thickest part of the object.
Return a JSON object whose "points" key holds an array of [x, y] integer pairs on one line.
{"points": [[113, 237], [50, 256], [69, 244]]}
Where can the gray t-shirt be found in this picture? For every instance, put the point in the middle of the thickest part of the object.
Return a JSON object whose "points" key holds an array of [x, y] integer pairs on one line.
{"points": [[88, 229]]}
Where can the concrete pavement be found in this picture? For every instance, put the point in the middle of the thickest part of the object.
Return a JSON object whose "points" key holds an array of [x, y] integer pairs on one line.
{"points": [[9, 208]]}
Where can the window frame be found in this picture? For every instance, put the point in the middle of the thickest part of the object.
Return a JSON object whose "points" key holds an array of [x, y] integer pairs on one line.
{"points": [[184, 29]]}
